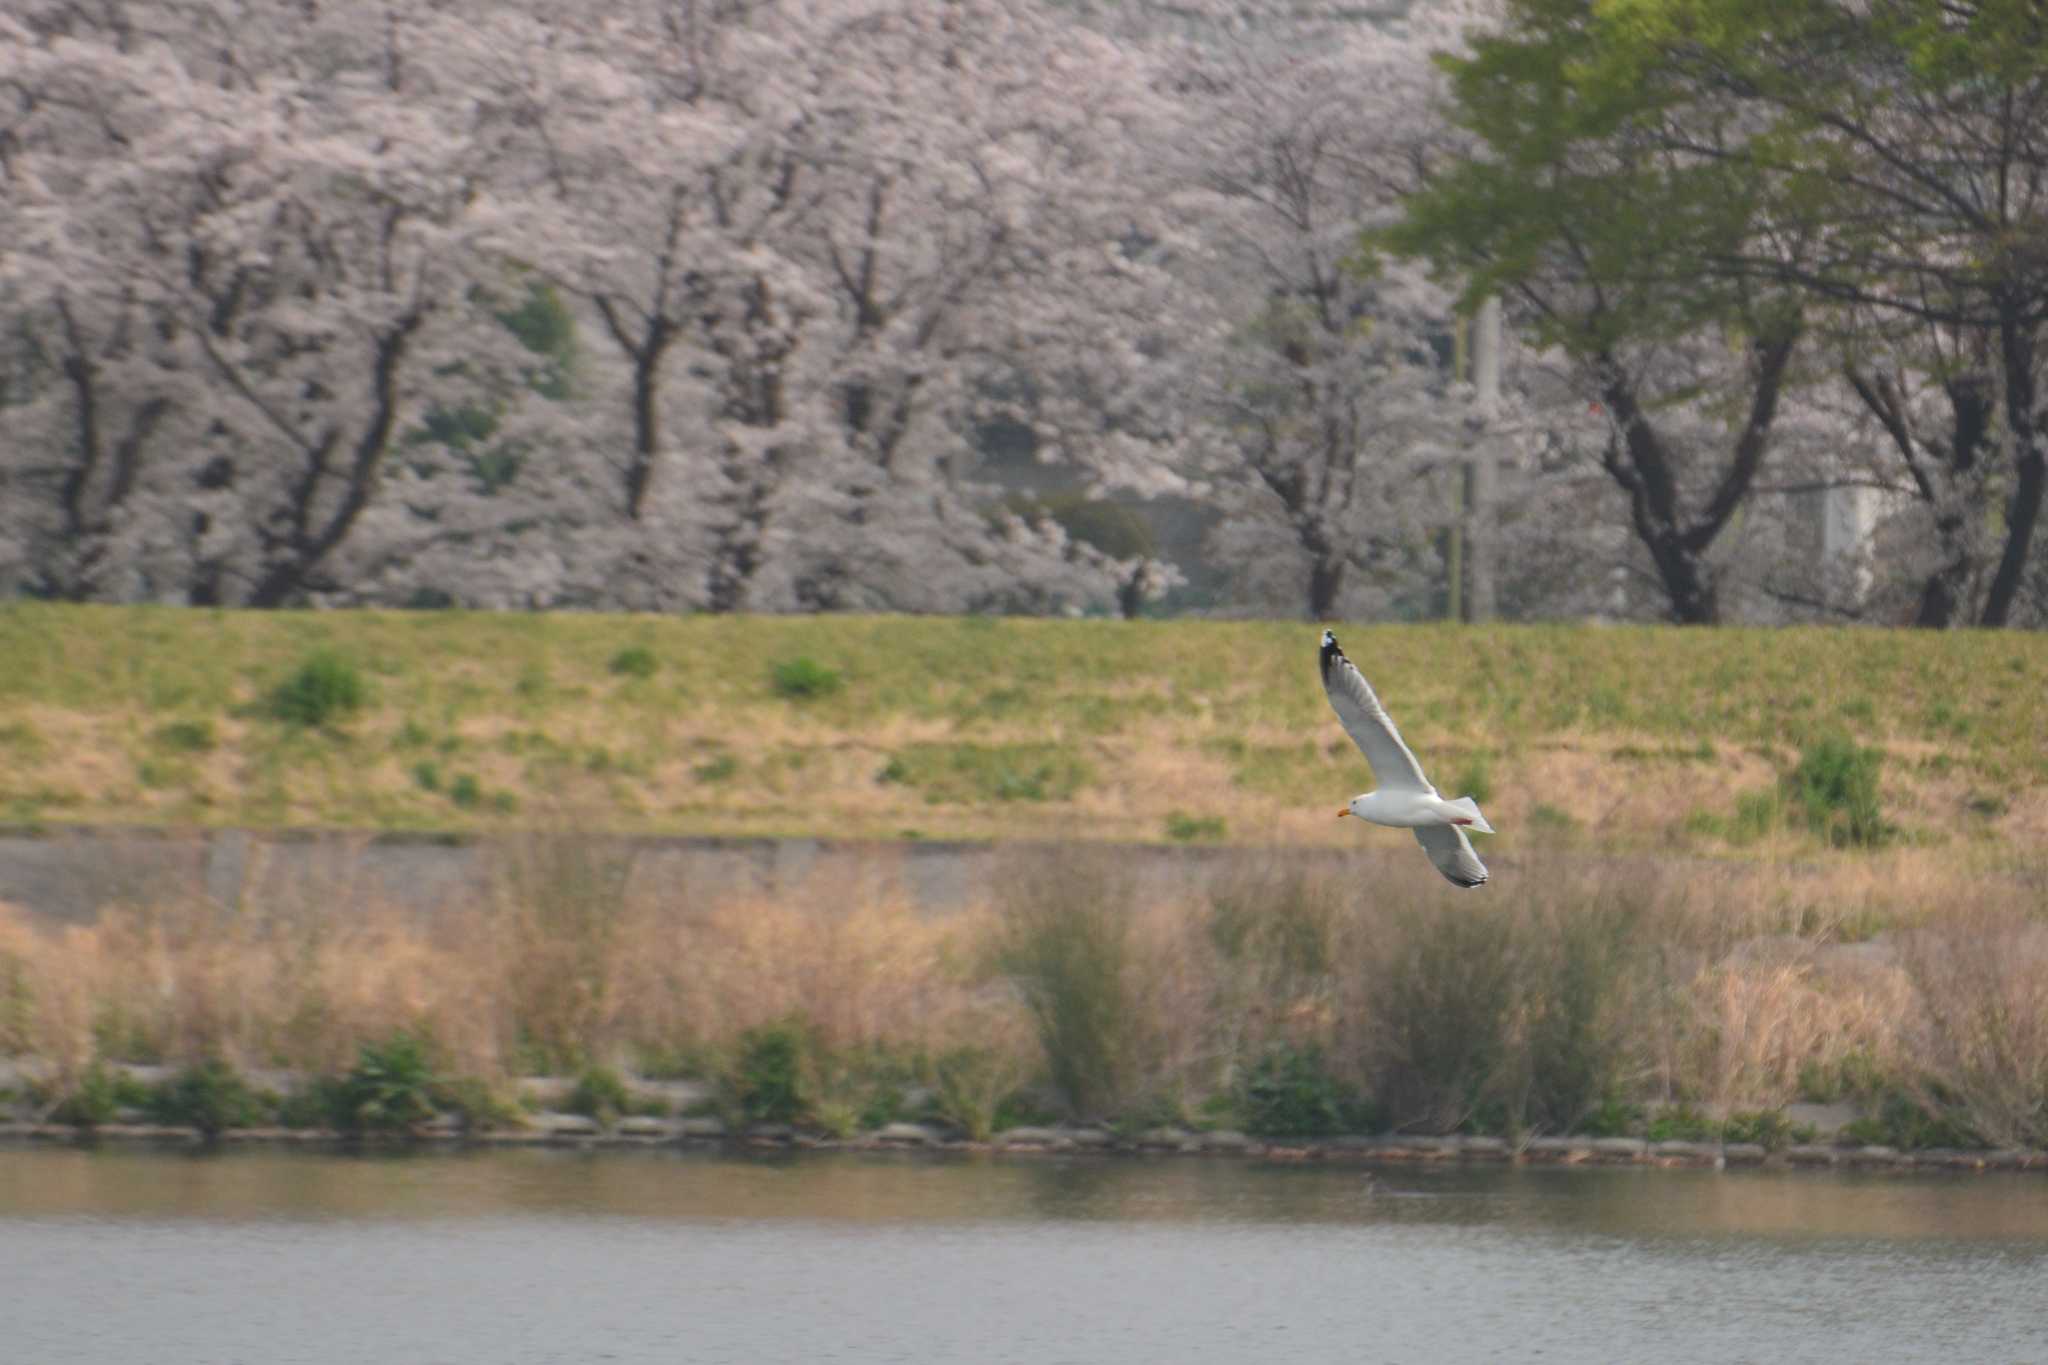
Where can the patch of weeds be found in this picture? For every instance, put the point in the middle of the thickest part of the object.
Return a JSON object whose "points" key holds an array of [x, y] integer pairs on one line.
{"points": [[1612, 1117], [1184, 828], [1854, 1074], [426, 775], [1835, 786], [326, 688], [210, 1096], [803, 679], [311, 1106], [634, 661], [1272, 768], [1291, 1092], [1907, 1122], [1680, 1123], [997, 704], [968, 1086], [1945, 718], [93, 1099], [1706, 824], [156, 774], [720, 768], [1476, 780], [1767, 1128], [1858, 711], [22, 740], [1605, 705], [990, 772], [411, 735], [767, 1074], [389, 1090], [187, 736], [1022, 1109], [895, 770], [601, 1094], [1552, 819], [1756, 815], [1063, 939], [475, 1104], [533, 683], [1990, 805], [465, 791]]}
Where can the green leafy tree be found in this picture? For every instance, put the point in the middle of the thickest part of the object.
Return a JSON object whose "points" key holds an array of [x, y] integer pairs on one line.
{"points": [[1877, 172]]}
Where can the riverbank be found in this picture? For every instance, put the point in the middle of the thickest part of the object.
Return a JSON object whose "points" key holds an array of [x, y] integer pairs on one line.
{"points": [[562, 1131], [1274, 996]]}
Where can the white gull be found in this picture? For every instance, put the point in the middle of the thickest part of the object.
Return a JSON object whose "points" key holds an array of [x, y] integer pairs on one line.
{"points": [[1404, 798]]}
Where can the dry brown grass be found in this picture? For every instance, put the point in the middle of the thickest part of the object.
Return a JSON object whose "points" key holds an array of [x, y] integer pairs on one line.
{"points": [[1728, 986]]}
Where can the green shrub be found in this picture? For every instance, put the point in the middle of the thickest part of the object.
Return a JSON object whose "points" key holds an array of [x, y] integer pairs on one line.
{"points": [[1063, 940], [427, 775], [465, 791], [969, 1085], [803, 679], [1835, 786], [1574, 1039], [600, 1093], [474, 1104], [92, 1099], [326, 688], [767, 1076], [390, 1089], [634, 661], [1680, 1123], [1290, 1092], [210, 1096], [1439, 1015], [1612, 1117], [1768, 1128], [1907, 1122]]}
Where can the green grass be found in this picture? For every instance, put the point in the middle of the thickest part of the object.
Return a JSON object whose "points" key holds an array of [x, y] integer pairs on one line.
{"points": [[970, 727]]}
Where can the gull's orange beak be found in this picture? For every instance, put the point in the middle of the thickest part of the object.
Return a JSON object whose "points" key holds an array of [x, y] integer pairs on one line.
{"points": [[1342, 813]]}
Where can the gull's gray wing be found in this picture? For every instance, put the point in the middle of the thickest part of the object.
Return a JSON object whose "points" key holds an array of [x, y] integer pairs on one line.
{"points": [[1368, 724], [1452, 853]]}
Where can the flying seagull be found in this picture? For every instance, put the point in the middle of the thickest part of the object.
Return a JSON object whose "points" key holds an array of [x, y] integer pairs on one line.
{"points": [[1405, 799]]}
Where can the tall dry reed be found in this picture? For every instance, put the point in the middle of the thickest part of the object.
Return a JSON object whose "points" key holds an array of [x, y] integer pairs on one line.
{"points": [[1561, 989]]}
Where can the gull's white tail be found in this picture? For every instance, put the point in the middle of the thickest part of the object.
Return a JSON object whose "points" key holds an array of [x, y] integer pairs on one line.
{"points": [[1467, 806]]}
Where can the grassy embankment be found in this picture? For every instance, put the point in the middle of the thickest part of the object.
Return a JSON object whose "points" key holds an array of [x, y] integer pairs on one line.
{"points": [[901, 727], [1657, 994]]}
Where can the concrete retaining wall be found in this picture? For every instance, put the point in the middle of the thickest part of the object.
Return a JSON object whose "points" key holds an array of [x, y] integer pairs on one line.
{"points": [[70, 874]]}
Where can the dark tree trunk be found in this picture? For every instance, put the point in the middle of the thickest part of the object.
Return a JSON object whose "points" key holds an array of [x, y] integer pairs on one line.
{"points": [[2030, 463], [1641, 461], [303, 545], [646, 353], [1325, 582]]}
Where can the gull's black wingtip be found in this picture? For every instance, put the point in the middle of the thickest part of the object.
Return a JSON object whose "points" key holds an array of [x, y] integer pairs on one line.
{"points": [[1330, 654]]}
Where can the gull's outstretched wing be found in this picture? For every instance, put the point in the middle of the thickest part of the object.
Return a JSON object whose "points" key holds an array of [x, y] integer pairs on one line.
{"points": [[1452, 853], [1368, 724]]}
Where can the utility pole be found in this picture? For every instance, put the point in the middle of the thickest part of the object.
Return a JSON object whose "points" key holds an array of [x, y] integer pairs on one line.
{"points": [[1468, 557], [1481, 468]]}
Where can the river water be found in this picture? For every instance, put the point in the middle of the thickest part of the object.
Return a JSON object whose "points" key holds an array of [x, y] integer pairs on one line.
{"points": [[505, 1257]]}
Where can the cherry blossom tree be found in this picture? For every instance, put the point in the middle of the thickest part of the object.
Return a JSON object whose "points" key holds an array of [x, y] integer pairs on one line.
{"points": [[277, 207]]}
